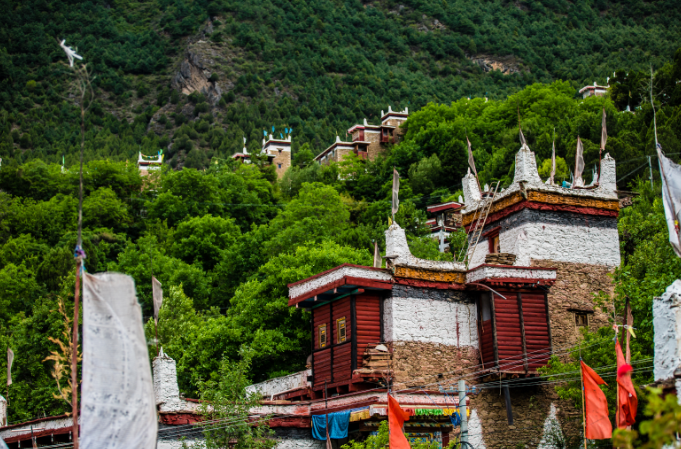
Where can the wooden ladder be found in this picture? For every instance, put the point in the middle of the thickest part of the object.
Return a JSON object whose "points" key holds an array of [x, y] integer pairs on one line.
{"points": [[480, 224]]}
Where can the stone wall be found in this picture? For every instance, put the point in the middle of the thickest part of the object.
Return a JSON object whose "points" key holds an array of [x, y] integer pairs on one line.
{"points": [[531, 406], [374, 148], [283, 159], [418, 363], [574, 290]]}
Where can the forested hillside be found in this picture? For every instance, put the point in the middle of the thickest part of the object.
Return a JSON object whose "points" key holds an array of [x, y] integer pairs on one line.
{"points": [[225, 239], [317, 66]]}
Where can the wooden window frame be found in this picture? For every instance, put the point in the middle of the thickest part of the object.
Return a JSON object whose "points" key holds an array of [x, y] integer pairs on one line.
{"points": [[585, 315], [321, 331], [341, 323]]}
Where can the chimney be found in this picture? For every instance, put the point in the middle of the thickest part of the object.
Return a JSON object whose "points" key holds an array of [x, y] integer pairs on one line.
{"points": [[471, 191], [526, 167], [607, 178], [165, 383]]}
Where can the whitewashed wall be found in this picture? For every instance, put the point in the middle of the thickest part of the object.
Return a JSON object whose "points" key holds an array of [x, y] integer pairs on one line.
{"points": [[280, 384], [430, 321], [667, 324], [297, 443], [545, 241]]}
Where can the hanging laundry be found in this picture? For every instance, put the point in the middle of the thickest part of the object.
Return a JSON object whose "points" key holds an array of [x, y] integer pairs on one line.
{"points": [[338, 425]]}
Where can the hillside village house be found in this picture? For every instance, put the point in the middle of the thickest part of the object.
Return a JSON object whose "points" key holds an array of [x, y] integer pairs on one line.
{"points": [[368, 141], [418, 326], [278, 153]]}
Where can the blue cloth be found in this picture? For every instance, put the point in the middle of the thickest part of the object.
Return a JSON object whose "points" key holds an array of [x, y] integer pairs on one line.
{"points": [[338, 425], [455, 418]]}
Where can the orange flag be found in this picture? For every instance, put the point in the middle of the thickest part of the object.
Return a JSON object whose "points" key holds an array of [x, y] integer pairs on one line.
{"points": [[396, 419], [628, 402], [598, 425]]}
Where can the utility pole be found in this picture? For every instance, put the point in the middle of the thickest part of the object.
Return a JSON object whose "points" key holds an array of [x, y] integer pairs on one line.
{"points": [[463, 411]]}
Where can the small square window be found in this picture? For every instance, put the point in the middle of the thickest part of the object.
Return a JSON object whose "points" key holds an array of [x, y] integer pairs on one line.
{"points": [[582, 319], [278, 165], [322, 336], [280, 150], [340, 325]]}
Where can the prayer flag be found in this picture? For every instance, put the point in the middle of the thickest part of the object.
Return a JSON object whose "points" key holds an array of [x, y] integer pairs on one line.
{"points": [[396, 191], [604, 132], [272, 128], [598, 425], [671, 195], [157, 293], [522, 138], [626, 394], [10, 359], [377, 256], [264, 132], [471, 161], [118, 405], [579, 164], [396, 419], [553, 163]]}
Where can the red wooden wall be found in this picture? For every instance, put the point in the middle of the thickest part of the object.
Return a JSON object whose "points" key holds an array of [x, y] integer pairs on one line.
{"points": [[537, 331], [368, 313], [334, 363], [517, 333]]}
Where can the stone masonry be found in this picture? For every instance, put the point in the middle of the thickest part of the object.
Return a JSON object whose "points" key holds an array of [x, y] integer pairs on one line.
{"points": [[575, 291]]}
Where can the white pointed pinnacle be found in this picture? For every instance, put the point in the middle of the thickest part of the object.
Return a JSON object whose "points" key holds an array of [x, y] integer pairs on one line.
{"points": [[365, 122], [70, 52]]}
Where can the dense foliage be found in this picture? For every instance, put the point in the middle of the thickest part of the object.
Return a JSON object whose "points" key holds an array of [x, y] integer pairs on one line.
{"points": [[225, 241], [315, 65]]}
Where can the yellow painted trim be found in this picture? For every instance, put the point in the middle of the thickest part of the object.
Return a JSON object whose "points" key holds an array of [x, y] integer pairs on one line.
{"points": [[547, 198], [429, 275]]}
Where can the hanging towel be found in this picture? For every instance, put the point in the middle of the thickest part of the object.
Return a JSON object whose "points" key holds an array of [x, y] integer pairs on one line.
{"points": [[338, 425]]}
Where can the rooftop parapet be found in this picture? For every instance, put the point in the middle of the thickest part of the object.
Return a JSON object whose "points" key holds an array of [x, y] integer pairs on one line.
{"points": [[526, 179], [398, 253]]}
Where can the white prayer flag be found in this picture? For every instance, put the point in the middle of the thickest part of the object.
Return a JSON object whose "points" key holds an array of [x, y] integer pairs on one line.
{"points": [[396, 191], [10, 360], [553, 163], [671, 196], [118, 404], [471, 161], [579, 164], [604, 132], [157, 292], [377, 256], [522, 138]]}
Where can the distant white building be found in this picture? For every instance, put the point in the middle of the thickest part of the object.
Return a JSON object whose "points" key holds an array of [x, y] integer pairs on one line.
{"points": [[589, 91]]}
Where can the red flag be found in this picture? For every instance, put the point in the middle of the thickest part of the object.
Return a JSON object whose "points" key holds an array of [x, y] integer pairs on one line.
{"points": [[396, 419], [598, 425], [627, 400]]}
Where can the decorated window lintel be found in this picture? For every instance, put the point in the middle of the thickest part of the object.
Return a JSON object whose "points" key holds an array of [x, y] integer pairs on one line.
{"points": [[340, 326]]}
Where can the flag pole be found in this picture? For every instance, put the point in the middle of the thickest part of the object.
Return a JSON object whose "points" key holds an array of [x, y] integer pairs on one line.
{"points": [[581, 381]]}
